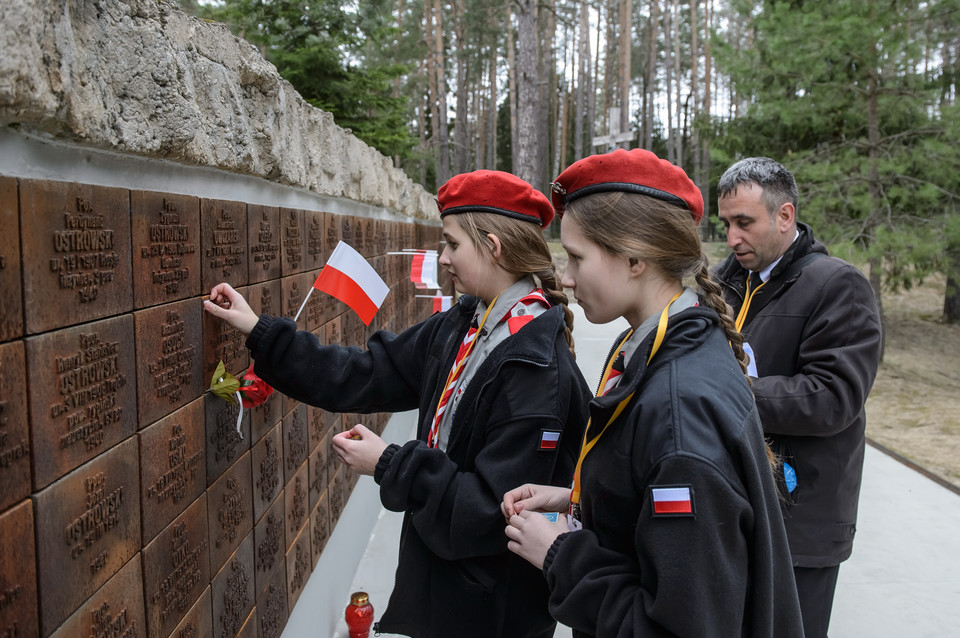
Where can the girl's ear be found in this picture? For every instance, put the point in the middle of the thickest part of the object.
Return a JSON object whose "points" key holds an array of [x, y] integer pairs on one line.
{"points": [[494, 245], [637, 266]]}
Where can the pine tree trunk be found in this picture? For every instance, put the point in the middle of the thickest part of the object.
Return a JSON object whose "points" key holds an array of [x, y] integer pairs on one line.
{"points": [[491, 157], [626, 47], [443, 135], [695, 95], [512, 84], [704, 150], [651, 79], [583, 65], [668, 69], [675, 37], [461, 133], [528, 94]]}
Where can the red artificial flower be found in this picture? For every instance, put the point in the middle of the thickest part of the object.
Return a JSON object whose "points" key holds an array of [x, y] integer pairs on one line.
{"points": [[253, 389]]}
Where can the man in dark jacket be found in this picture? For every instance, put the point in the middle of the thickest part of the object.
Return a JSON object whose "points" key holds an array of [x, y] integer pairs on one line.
{"points": [[813, 329]]}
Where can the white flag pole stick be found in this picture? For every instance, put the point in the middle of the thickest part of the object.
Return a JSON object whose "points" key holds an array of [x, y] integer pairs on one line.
{"points": [[309, 292]]}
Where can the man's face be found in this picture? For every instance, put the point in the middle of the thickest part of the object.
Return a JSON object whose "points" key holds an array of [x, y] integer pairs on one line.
{"points": [[756, 238]]}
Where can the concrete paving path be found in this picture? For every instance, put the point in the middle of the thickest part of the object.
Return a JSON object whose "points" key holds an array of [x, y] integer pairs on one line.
{"points": [[903, 580]]}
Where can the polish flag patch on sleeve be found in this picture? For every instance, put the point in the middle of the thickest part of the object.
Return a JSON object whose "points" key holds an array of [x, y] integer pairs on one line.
{"points": [[672, 500], [549, 439]]}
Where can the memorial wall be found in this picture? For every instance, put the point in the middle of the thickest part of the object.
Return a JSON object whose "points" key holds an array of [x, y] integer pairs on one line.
{"points": [[130, 503]]}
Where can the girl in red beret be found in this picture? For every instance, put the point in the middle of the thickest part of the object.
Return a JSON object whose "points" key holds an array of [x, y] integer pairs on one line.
{"points": [[501, 402], [673, 523]]}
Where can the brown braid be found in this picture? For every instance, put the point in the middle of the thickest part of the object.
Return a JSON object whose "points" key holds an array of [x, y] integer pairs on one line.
{"points": [[555, 295], [712, 294]]}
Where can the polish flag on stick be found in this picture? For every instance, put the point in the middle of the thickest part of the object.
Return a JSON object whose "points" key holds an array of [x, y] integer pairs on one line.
{"points": [[348, 277], [441, 303]]}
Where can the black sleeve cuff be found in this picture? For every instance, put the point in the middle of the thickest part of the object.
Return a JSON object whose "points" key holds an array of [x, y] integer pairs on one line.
{"points": [[384, 462]]}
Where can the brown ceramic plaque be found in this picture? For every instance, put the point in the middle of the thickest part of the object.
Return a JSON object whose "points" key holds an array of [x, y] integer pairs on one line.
{"points": [[116, 609], [223, 243], [266, 298], [333, 336], [292, 242], [316, 309], [318, 422], [272, 607], [315, 244], [263, 237], [165, 234], [319, 528], [14, 429], [198, 621], [223, 342], [370, 240], [83, 388], [229, 511], [360, 236], [172, 469], [318, 465], [232, 591], [176, 568], [11, 292], [88, 527], [293, 290], [224, 444], [269, 546], [335, 495], [249, 629], [267, 457], [299, 566], [348, 231], [76, 253], [296, 503], [18, 572], [294, 440], [331, 233], [169, 370]]}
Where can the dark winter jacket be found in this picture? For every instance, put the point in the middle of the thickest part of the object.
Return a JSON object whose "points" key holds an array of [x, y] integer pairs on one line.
{"points": [[455, 575], [721, 570], [815, 334]]}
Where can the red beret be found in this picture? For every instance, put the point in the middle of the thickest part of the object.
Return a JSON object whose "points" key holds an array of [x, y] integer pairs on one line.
{"points": [[494, 192], [636, 171]]}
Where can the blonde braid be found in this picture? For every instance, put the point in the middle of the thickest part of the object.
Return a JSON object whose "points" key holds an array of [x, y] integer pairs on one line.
{"points": [[713, 296]]}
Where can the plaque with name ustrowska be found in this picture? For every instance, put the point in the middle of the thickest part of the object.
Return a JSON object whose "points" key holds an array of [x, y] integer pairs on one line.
{"points": [[116, 609], [169, 358], [165, 233], [18, 575], [176, 568], [88, 527], [14, 428], [76, 253], [83, 387], [172, 466], [11, 293]]}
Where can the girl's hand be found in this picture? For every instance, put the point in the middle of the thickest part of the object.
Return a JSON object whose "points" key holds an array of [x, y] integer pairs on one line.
{"points": [[228, 304], [536, 498], [532, 534], [359, 448]]}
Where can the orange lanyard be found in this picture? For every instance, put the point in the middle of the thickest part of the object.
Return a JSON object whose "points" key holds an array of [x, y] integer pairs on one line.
{"points": [[745, 308], [588, 445]]}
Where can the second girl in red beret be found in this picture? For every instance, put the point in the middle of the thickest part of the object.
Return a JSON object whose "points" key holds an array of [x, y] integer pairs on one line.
{"points": [[674, 525], [501, 402]]}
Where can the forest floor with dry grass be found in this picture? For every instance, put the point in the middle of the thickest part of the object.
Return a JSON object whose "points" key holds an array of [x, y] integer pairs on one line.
{"points": [[914, 407]]}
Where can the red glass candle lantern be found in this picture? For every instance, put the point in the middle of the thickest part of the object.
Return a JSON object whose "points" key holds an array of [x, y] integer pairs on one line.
{"points": [[359, 615]]}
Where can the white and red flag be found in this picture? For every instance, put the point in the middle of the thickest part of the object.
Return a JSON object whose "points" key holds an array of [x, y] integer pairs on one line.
{"points": [[348, 277], [423, 271]]}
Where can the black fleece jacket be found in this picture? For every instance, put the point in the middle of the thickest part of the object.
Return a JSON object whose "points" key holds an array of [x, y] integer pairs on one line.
{"points": [[722, 570], [455, 575]]}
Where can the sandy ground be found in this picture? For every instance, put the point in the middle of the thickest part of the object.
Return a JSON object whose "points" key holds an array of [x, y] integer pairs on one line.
{"points": [[914, 407]]}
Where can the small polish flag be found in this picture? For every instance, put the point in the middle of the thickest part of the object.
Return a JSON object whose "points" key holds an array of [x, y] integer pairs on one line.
{"points": [[549, 439], [441, 303], [348, 277], [423, 270], [672, 500]]}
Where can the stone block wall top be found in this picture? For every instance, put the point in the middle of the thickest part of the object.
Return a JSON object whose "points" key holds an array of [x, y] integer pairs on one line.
{"points": [[142, 77]]}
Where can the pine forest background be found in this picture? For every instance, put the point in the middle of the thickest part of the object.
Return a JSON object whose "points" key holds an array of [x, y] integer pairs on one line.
{"points": [[858, 98]]}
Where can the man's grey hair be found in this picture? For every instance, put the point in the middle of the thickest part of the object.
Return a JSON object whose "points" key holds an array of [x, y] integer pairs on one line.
{"points": [[778, 184]]}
